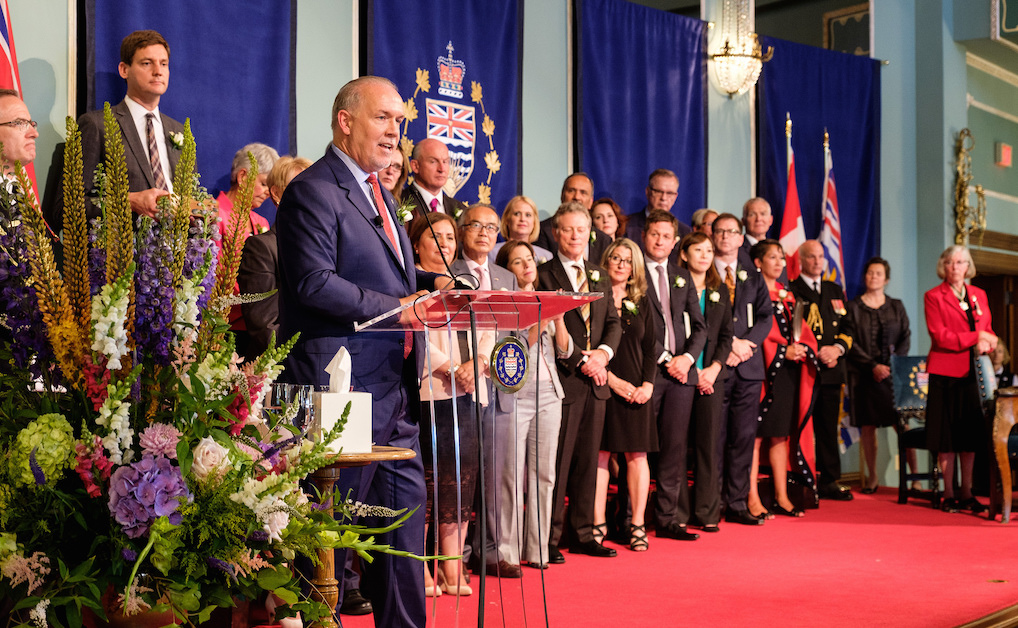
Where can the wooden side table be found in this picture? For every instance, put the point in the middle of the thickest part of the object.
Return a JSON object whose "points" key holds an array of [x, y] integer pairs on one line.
{"points": [[325, 587]]}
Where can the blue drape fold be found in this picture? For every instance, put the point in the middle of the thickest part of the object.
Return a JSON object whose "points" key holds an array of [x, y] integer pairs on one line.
{"points": [[821, 88], [641, 101]]}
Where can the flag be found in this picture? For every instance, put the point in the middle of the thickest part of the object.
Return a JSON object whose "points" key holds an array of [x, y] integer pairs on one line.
{"points": [[9, 77], [830, 232], [793, 234]]}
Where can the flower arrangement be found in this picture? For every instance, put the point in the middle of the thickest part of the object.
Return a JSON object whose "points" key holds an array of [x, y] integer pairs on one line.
{"points": [[140, 470]]}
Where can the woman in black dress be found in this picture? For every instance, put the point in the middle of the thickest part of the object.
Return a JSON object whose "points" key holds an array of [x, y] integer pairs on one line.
{"points": [[881, 330], [629, 425]]}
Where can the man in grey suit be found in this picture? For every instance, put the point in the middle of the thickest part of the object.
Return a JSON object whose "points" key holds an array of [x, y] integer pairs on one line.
{"points": [[478, 232], [151, 144]]}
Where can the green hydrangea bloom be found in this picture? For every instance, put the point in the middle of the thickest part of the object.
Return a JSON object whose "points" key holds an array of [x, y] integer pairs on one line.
{"points": [[52, 438]]}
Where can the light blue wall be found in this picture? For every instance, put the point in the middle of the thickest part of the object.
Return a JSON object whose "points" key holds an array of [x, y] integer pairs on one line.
{"points": [[40, 39]]}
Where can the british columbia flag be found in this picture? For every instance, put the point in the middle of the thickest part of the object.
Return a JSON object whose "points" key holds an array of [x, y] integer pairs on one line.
{"points": [[830, 232], [451, 123]]}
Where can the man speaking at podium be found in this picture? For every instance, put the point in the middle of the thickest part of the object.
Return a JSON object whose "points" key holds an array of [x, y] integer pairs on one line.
{"points": [[343, 259]]}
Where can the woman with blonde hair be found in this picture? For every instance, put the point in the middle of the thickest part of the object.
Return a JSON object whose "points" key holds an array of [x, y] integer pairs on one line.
{"points": [[629, 425], [520, 222]]}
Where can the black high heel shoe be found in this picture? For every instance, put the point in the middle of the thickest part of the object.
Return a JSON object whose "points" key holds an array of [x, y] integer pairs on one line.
{"points": [[794, 512]]}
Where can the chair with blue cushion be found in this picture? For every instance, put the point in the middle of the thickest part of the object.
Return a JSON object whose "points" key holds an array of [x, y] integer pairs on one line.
{"points": [[911, 383]]}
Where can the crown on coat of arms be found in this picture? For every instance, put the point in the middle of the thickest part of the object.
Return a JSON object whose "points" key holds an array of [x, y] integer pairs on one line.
{"points": [[450, 75]]}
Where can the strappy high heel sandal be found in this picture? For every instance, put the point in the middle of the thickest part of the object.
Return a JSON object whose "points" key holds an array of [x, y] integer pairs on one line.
{"points": [[638, 538], [599, 531]]}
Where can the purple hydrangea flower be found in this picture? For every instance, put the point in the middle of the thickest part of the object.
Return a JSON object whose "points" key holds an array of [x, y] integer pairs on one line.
{"points": [[145, 490]]}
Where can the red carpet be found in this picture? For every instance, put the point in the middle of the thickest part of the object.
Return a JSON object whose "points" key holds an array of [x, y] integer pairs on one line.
{"points": [[868, 562]]}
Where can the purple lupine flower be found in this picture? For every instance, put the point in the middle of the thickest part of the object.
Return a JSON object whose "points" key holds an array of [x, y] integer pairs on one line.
{"points": [[96, 259], [40, 477], [129, 554], [223, 566], [153, 312], [145, 490], [258, 536]]}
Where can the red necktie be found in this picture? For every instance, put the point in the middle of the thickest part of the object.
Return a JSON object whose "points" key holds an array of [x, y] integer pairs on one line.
{"points": [[434, 204], [383, 212]]}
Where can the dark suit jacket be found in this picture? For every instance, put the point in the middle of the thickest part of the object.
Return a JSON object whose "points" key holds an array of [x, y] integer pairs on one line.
{"points": [[412, 195], [718, 317], [595, 250], [337, 267], [683, 300], [833, 327], [605, 328], [259, 272], [751, 295], [952, 341], [93, 152]]}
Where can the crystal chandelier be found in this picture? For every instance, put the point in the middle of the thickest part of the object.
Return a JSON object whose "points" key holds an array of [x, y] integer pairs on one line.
{"points": [[738, 63]]}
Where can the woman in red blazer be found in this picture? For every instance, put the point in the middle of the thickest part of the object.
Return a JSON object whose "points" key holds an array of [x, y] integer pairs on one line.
{"points": [[958, 319]]}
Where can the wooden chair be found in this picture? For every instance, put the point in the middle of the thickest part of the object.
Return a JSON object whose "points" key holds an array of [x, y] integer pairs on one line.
{"points": [[1003, 421], [911, 382]]}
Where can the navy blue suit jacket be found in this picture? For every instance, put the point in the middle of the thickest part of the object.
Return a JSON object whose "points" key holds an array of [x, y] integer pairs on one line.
{"points": [[751, 295], [337, 267], [683, 300]]}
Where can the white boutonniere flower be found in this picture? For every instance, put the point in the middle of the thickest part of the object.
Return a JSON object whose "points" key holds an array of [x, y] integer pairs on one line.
{"points": [[457, 213], [679, 282], [742, 276], [404, 214], [177, 139], [975, 302], [782, 294], [593, 235], [964, 306], [714, 296], [594, 276], [630, 306]]}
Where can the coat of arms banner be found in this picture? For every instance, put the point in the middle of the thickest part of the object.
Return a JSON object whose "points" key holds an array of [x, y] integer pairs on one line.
{"points": [[459, 73]]}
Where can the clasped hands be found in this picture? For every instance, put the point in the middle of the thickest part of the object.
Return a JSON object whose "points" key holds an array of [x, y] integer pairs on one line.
{"points": [[742, 350], [797, 352], [595, 366], [987, 342], [633, 394]]}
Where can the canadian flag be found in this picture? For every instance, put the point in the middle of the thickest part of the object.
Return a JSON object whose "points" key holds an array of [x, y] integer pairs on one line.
{"points": [[793, 234]]}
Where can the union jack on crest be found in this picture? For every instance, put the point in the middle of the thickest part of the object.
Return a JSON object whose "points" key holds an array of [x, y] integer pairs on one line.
{"points": [[451, 123]]}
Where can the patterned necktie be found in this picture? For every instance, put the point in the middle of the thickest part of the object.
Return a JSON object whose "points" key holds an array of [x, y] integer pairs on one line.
{"points": [[383, 212], [434, 204], [483, 282], [730, 282], [664, 294], [153, 153], [581, 281]]}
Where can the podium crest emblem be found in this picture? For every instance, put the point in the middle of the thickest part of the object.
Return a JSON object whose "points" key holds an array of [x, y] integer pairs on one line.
{"points": [[509, 368]]}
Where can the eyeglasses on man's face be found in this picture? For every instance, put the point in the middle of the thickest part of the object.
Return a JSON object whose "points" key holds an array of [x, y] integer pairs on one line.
{"points": [[476, 226], [21, 124]]}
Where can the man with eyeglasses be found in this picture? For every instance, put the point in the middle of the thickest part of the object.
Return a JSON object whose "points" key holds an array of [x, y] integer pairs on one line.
{"points": [[662, 191], [478, 232], [429, 162], [146, 132], [751, 316], [596, 331], [17, 131]]}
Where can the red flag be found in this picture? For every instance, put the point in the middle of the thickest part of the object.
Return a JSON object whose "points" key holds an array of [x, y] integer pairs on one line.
{"points": [[9, 77], [793, 234]]}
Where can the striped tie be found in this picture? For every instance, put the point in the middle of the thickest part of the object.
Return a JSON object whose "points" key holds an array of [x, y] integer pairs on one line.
{"points": [[153, 153], [581, 280], [730, 282]]}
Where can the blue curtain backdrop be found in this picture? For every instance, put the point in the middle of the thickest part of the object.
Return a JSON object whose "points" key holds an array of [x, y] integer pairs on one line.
{"points": [[641, 102], [821, 88], [458, 66], [230, 72]]}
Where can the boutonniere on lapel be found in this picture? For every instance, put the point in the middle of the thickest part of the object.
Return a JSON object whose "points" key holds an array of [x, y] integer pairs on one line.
{"points": [[782, 294], [975, 303], [679, 282], [630, 306], [594, 276], [405, 212], [742, 276], [456, 213], [259, 229], [593, 235], [839, 306], [714, 296], [177, 140]]}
